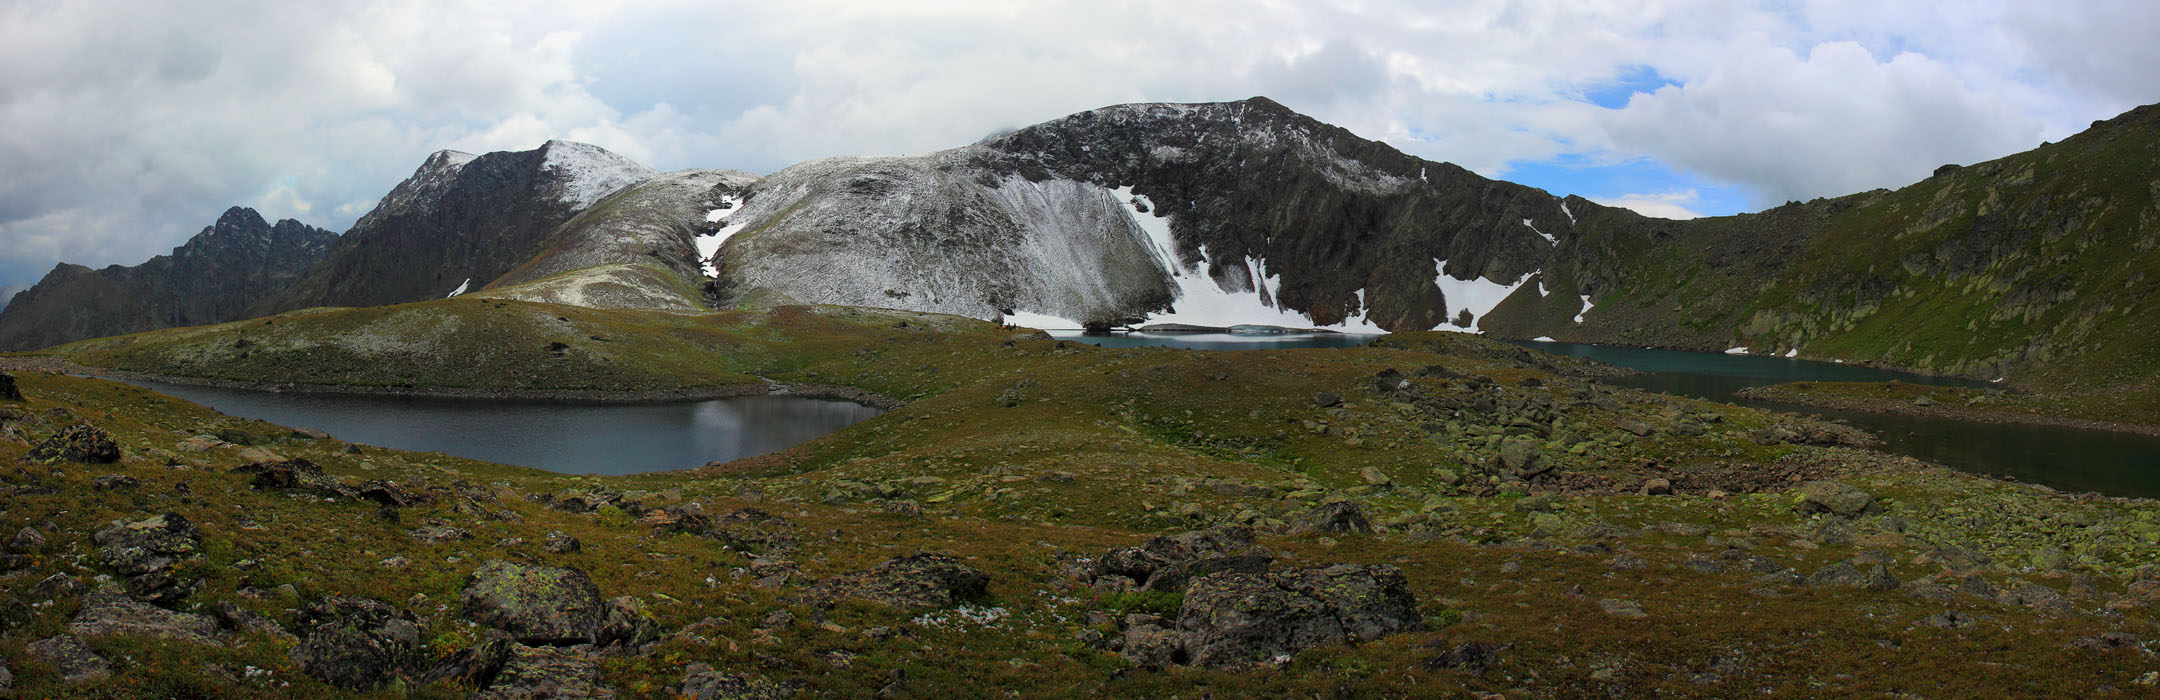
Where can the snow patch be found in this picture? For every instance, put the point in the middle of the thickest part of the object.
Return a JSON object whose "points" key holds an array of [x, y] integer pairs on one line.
{"points": [[1544, 339], [708, 245], [1549, 239], [1585, 308], [1041, 322], [460, 288], [1570, 215], [1795, 352], [1478, 296], [1741, 350], [1202, 302]]}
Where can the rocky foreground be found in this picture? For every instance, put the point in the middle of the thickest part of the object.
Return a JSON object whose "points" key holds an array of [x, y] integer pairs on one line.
{"points": [[1431, 516]]}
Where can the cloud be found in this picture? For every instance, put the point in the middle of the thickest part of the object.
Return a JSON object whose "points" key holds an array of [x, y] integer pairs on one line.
{"points": [[1833, 122], [1663, 205]]}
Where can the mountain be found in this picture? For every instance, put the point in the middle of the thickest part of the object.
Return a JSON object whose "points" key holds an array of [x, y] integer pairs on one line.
{"points": [[2039, 264], [1237, 212], [637, 248], [459, 222], [213, 276], [2042, 265]]}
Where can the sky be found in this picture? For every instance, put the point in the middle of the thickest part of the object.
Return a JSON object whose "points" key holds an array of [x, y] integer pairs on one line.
{"points": [[126, 127]]}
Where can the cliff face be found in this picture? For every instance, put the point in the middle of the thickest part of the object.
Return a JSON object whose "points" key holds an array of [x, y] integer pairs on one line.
{"points": [[231, 264], [459, 221]]}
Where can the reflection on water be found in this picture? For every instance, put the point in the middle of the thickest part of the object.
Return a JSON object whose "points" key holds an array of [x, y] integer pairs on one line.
{"points": [[2070, 459], [598, 438], [1218, 341]]}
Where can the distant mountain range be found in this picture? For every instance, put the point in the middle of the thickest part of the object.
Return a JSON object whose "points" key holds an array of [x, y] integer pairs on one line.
{"points": [[2039, 264], [229, 265]]}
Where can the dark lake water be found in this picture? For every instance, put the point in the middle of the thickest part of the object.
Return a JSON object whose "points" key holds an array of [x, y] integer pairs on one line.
{"points": [[2069, 459], [1218, 341], [595, 438]]}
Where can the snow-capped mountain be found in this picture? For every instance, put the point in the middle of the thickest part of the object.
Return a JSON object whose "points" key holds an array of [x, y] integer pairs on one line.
{"points": [[1210, 214], [459, 217]]}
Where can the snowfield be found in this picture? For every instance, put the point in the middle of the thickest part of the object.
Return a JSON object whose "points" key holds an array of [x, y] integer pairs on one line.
{"points": [[1479, 296]]}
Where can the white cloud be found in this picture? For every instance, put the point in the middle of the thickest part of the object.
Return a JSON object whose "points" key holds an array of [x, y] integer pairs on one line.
{"points": [[1834, 122], [1663, 205]]}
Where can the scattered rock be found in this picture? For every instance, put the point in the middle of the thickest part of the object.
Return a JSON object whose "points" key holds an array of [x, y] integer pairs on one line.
{"points": [[292, 475], [702, 682], [624, 622], [113, 482], [546, 673], [560, 542], [1872, 576], [149, 555], [26, 539], [475, 666], [111, 613], [358, 643], [57, 586], [1835, 498], [914, 581], [1470, 657], [1336, 517], [247, 621], [199, 443], [388, 494], [535, 604], [76, 661], [1621, 607], [438, 534], [76, 443], [1166, 563]]}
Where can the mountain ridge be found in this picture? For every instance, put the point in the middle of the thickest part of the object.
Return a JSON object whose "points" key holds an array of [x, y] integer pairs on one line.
{"points": [[209, 278]]}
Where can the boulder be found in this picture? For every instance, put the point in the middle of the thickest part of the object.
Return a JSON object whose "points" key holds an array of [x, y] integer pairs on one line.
{"points": [[475, 666], [1836, 498], [1238, 620], [111, 613], [1333, 517], [359, 643], [76, 443], [914, 581], [114, 482], [702, 682], [1657, 487], [1166, 563], [1149, 644], [292, 475], [625, 622], [148, 555], [560, 542], [75, 661], [1235, 620], [8, 390], [389, 494], [537, 605], [546, 673]]}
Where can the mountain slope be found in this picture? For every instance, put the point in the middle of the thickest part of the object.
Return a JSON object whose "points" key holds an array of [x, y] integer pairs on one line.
{"points": [[2042, 266], [231, 264], [459, 219], [653, 225], [1266, 216]]}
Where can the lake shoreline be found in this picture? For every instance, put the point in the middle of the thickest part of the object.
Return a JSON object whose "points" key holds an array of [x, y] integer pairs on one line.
{"points": [[55, 365], [1784, 395]]}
